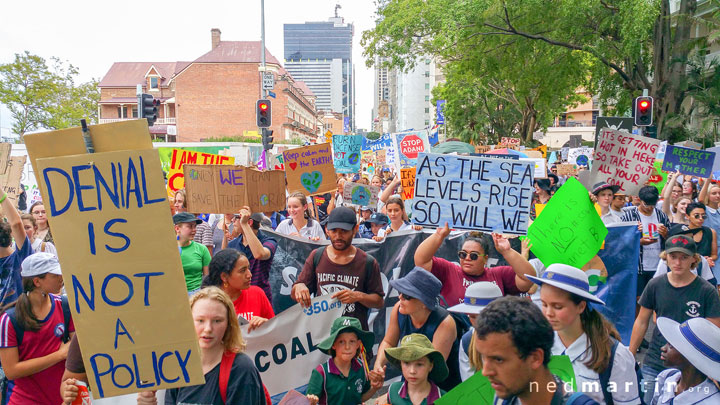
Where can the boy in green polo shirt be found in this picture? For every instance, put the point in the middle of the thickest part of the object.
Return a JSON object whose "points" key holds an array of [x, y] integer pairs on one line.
{"points": [[344, 379]]}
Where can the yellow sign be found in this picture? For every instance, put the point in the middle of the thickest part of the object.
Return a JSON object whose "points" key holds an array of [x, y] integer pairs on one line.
{"points": [[251, 134]]}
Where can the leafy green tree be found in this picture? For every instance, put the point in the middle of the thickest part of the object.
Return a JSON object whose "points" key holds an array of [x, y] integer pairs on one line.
{"points": [[40, 96]]}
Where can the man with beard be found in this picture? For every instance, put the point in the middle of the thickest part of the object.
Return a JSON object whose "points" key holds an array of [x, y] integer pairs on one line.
{"points": [[514, 341], [349, 274]]}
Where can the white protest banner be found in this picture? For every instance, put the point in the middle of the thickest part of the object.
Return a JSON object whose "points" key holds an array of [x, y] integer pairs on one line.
{"points": [[580, 156], [490, 195], [120, 260], [539, 167], [361, 194], [284, 348], [624, 159]]}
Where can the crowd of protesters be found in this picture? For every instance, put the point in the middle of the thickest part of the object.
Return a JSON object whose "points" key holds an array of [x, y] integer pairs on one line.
{"points": [[452, 320]]}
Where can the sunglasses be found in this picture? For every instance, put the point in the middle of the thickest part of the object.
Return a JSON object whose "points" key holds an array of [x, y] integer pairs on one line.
{"points": [[406, 297], [473, 255], [698, 216]]}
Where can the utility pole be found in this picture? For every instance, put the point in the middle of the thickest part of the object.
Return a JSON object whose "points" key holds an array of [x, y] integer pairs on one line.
{"points": [[262, 40]]}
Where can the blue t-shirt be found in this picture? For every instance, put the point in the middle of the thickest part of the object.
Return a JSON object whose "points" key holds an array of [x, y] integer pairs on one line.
{"points": [[10, 279]]}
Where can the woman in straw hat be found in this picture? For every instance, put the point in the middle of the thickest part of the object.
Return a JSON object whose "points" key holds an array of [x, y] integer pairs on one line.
{"points": [[693, 352], [422, 366], [600, 361]]}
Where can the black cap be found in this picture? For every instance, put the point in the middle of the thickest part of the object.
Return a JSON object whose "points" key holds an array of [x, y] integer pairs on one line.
{"points": [[680, 243], [257, 217], [379, 218], [343, 218], [679, 229], [185, 217]]}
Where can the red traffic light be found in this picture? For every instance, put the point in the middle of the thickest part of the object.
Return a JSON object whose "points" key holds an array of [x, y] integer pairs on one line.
{"points": [[644, 104], [263, 106]]}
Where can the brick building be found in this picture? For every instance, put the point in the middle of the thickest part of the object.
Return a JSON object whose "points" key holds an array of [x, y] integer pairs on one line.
{"points": [[212, 96]]}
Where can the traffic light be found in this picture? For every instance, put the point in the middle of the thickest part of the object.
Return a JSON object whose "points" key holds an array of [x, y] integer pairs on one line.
{"points": [[643, 111], [148, 108], [263, 113], [267, 138]]}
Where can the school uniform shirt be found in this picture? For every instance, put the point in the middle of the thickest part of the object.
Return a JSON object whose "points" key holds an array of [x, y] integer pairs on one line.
{"points": [[42, 387], [398, 394], [311, 230], [704, 393], [610, 218], [329, 384], [466, 369], [10, 279], [244, 387], [253, 302], [704, 267], [455, 281], [404, 227], [588, 381], [713, 222]]}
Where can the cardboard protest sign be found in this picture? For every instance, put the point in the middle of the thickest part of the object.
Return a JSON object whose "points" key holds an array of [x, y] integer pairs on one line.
{"points": [[688, 161], [310, 170], [580, 156], [10, 180], [535, 154], [408, 145], [505, 140], [381, 157], [361, 194], [407, 181], [624, 159], [482, 148], [564, 153], [5, 149], [120, 260], [346, 153], [288, 342], [179, 157], [568, 230], [539, 167], [473, 193], [566, 169], [225, 189]]}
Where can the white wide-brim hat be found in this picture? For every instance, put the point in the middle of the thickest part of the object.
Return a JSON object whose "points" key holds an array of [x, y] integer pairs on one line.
{"points": [[40, 263], [698, 340], [567, 278], [477, 297]]}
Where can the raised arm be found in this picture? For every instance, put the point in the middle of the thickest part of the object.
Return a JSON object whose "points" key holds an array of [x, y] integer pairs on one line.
{"points": [[389, 190], [13, 218], [703, 196], [667, 194], [259, 251], [520, 265], [430, 246]]}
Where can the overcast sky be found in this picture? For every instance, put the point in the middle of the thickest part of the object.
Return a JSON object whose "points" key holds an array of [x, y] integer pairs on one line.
{"points": [[94, 34]]}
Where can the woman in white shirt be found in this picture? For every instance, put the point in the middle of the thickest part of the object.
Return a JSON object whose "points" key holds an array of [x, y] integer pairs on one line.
{"points": [[584, 335], [395, 208], [300, 221], [38, 245]]}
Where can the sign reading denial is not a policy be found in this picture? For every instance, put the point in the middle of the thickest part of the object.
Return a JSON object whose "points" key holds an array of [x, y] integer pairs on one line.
{"points": [[623, 159], [226, 189], [490, 195], [109, 214]]}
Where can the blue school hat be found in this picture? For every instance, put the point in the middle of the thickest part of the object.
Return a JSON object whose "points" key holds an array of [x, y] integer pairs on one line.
{"points": [[567, 278]]}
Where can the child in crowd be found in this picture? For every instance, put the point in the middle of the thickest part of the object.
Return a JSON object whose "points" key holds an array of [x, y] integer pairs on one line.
{"points": [[344, 379], [477, 296], [422, 366], [693, 352]]}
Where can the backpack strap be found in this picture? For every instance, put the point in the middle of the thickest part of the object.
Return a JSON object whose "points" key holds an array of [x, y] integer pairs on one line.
{"points": [[65, 305], [317, 255], [42, 246], [225, 366], [19, 330], [605, 375]]}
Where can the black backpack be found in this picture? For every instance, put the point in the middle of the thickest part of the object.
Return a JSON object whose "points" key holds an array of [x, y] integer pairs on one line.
{"points": [[605, 375], [20, 331]]}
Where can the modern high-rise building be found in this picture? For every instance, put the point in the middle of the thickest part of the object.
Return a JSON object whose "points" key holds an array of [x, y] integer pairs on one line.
{"points": [[320, 54]]}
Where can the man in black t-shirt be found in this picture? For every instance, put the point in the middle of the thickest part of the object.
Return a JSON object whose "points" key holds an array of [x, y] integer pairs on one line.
{"points": [[679, 295], [341, 270]]}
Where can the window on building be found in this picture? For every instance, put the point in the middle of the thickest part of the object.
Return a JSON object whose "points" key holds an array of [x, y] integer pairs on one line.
{"points": [[122, 112], [427, 110], [427, 122], [427, 86], [134, 112], [154, 83], [427, 98], [427, 73], [595, 116], [427, 61]]}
